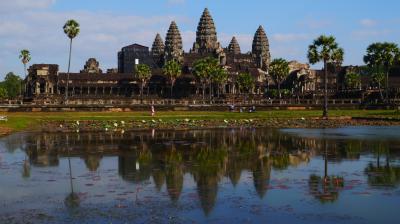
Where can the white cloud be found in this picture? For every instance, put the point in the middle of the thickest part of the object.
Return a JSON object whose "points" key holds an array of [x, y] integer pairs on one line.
{"points": [[11, 28], [288, 37], [368, 22], [368, 34], [12, 5]]}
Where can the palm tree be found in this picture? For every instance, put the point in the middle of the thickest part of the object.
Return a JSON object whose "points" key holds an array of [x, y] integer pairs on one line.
{"points": [[245, 82], [71, 29], [382, 55], [200, 71], [374, 60], [143, 73], [378, 78], [172, 69], [219, 76], [279, 70], [325, 49], [391, 55], [204, 69], [25, 57]]}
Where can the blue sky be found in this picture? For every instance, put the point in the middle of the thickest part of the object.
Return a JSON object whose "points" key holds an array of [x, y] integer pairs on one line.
{"points": [[107, 25]]}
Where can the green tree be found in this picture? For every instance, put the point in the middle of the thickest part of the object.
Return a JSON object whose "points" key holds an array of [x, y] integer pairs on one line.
{"points": [[382, 55], [3, 92], [378, 78], [172, 69], [245, 82], [204, 69], [325, 49], [143, 73], [71, 29], [279, 70], [12, 85], [200, 71], [25, 57], [353, 80], [219, 76]]}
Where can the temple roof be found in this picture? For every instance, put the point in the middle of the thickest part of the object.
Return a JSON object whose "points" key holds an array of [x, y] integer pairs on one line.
{"points": [[206, 35], [158, 46], [135, 45], [260, 47], [173, 43], [260, 41], [234, 46]]}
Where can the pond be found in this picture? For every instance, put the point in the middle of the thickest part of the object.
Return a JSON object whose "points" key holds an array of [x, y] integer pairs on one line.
{"points": [[344, 175]]}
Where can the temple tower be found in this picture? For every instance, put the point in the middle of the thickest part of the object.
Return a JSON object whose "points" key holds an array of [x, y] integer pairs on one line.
{"points": [[157, 50], [233, 46], [173, 44], [206, 35], [260, 49], [91, 66]]}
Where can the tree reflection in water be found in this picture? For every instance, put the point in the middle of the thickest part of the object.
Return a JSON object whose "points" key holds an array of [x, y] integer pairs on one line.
{"points": [[326, 188], [72, 200], [208, 156], [382, 175]]}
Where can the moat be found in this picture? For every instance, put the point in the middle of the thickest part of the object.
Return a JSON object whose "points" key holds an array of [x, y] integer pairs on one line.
{"points": [[337, 175]]}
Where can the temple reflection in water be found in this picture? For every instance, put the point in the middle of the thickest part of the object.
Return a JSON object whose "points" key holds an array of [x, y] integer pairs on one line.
{"points": [[209, 157]]}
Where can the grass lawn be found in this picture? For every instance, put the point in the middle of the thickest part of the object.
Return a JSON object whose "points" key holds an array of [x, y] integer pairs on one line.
{"points": [[29, 120]]}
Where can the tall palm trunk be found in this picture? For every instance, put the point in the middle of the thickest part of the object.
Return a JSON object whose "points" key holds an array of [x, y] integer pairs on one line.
{"points": [[380, 91], [210, 90], [325, 113], [279, 90], [141, 92], [387, 84], [69, 66], [204, 91], [22, 83], [171, 90]]}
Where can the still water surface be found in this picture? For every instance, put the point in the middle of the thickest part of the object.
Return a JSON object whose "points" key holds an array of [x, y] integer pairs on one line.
{"points": [[345, 175]]}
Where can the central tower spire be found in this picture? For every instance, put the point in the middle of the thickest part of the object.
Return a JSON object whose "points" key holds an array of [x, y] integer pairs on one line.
{"points": [[206, 35]]}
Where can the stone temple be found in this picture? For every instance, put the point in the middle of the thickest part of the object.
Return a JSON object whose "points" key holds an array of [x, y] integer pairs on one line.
{"points": [[45, 83], [206, 35]]}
